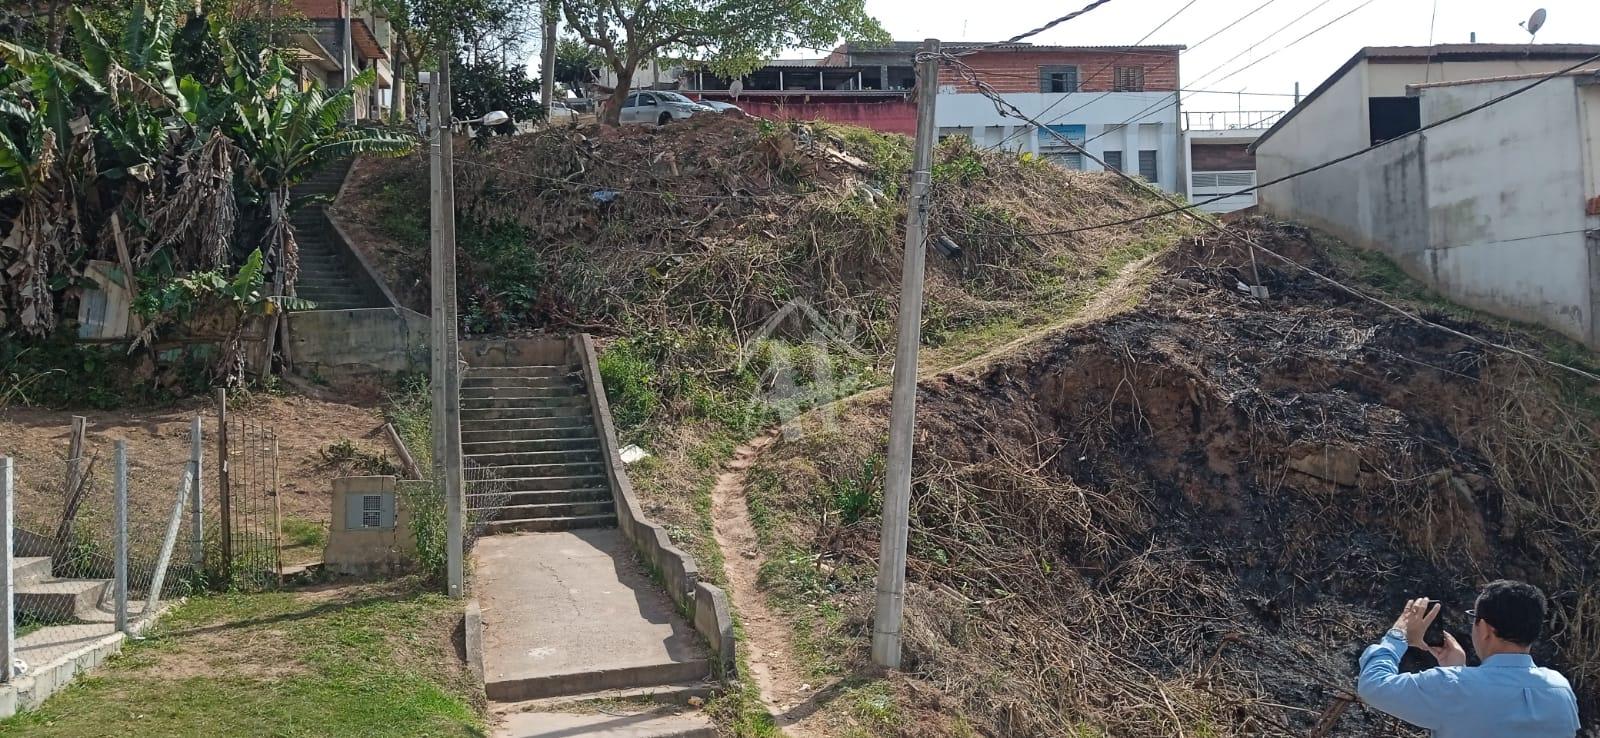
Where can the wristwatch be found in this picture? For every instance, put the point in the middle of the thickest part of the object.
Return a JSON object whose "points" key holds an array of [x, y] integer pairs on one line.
{"points": [[1396, 634]]}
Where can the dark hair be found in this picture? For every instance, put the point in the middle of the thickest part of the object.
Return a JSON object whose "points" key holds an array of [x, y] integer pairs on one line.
{"points": [[1515, 609]]}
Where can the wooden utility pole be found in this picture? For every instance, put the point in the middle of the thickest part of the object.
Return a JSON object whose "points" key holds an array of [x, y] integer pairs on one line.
{"points": [[886, 624], [446, 366]]}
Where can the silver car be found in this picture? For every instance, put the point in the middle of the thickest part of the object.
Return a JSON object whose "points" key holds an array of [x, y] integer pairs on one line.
{"points": [[657, 107]]}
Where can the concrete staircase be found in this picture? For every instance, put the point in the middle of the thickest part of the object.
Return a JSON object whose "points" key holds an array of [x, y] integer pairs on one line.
{"points": [[529, 429], [43, 597], [326, 276]]}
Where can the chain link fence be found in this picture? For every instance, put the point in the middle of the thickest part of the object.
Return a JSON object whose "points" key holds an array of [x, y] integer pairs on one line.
{"points": [[106, 531]]}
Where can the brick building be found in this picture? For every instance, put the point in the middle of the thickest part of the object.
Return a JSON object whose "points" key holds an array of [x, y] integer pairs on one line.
{"points": [[1120, 103]]}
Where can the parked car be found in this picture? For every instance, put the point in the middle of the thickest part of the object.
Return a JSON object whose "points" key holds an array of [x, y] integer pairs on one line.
{"points": [[723, 107], [560, 114], [658, 107]]}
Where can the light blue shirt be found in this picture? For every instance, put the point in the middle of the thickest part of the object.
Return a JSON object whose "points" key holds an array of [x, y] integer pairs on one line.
{"points": [[1506, 696]]}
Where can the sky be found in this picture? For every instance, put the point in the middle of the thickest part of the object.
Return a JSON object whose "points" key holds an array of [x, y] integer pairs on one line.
{"points": [[1308, 61]]}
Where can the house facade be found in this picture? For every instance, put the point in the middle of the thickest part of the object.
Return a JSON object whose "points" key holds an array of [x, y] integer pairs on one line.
{"points": [[1217, 161], [1497, 209], [1119, 103], [345, 38]]}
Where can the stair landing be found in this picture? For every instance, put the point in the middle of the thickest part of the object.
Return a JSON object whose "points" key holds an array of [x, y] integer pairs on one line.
{"points": [[573, 612]]}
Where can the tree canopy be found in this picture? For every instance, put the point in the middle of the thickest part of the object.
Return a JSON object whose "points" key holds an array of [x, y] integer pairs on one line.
{"points": [[731, 36]]}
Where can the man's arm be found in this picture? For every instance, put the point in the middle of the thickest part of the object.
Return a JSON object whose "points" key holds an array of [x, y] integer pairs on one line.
{"points": [[1424, 699]]}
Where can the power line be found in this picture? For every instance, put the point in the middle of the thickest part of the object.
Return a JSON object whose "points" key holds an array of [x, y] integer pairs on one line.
{"points": [[1159, 106], [1047, 26], [1102, 95], [1188, 210]]}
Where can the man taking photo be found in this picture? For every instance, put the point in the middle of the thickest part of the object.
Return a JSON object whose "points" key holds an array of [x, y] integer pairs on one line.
{"points": [[1505, 695]]}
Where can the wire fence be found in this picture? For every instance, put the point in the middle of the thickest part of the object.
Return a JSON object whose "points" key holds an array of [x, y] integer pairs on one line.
{"points": [[485, 493], [104, 532]]}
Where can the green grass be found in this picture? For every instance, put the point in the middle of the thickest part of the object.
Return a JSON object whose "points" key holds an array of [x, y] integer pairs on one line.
{"points": [[302, 533], [277, 664]]}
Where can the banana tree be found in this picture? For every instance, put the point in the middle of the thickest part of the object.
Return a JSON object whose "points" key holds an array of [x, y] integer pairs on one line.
{"points": [[287, 134]]}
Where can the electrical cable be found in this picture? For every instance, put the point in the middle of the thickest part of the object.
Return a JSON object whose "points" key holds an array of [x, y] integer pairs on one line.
{"points": [[1188, 209], [1198, 44]]}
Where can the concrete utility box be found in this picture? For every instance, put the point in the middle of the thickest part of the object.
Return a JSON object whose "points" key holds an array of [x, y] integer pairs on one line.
{"points": [[371, 530]]}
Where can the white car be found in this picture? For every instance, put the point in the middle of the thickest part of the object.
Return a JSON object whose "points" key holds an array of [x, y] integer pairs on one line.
{"points": [[723, 107], [560, 114], [658, 107]]}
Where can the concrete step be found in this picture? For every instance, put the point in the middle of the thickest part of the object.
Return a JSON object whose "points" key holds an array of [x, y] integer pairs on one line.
{"points": [[610, 724], [562, 400], [535, 471], [543, 370], [488, 447], [324, 282], [557, 685], [542, 497], [497, 392], [525, 429], [551, 525], [570, 412], [589, 455], [538, 484], [635, 699], [550, 510], [57, 599], [563, 380], [27, 570]]}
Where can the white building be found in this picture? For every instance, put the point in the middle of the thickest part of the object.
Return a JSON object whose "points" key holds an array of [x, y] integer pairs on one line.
{"points": [[1216, 156], [1497, 210], [1120, 103]]}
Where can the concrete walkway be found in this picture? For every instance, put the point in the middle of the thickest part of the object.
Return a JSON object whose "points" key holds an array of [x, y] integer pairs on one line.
{"points": [[572, 612], [568, 725]]}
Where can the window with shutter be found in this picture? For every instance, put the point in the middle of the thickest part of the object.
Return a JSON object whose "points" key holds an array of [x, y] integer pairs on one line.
{"points": [[1058, 79], [1130, 79], [1113, 160], [1147, 165]]}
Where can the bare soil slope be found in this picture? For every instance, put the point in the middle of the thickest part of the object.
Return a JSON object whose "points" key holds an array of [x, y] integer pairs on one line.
{"points": [[1190, 518]]}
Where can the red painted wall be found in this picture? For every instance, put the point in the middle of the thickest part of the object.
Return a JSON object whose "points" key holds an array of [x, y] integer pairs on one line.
{"points": [[891, 116]]}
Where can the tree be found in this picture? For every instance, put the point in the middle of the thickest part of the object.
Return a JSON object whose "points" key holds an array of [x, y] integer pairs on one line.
{"points": [[483, 29], [574, 61], [732, 36], [488, 85]]}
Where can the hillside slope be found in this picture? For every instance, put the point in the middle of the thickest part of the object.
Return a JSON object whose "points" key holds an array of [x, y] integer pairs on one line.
{"points": [[1189, 518]]}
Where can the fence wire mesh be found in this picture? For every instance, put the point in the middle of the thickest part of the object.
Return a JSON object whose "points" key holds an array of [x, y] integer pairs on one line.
{"points": [[66, 521], [485, 493]]}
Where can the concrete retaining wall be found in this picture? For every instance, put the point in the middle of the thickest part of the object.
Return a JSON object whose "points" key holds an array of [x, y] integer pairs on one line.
{"points": [[705, 603], [340, 342]]}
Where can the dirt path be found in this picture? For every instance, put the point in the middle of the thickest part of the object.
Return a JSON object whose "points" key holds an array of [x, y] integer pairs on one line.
{"points": [[768, 648], [767, 638]]}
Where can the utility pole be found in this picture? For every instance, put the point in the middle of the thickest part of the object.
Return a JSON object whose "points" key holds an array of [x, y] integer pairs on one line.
{"points": [[445, 385], [886, 623], [547, 75]]}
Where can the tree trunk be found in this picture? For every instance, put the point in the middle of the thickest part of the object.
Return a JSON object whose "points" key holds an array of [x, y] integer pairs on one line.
{"points": [[613, 112]]}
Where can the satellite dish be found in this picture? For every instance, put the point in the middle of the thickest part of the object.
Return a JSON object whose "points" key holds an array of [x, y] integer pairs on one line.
{"points": [[1535, 22], [734, 88]]}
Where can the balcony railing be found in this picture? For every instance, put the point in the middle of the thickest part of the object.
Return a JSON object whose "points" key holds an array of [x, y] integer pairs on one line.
{"points": [[1229, 120]]}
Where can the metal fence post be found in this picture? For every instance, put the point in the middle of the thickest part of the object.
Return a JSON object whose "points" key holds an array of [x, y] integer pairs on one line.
{"points": [[121, 562], [167, 544], [197, 516], [8, 592]]}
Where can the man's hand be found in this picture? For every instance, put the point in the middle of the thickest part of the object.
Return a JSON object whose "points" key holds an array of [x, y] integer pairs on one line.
{"points": [[1414, 620], [1451, 653]]}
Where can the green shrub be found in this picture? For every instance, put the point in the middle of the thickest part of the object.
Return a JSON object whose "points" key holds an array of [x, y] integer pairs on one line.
{"points": [[629, 376]]}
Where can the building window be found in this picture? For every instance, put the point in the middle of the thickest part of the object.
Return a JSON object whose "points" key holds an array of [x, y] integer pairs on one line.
{"points": [[1147, 165], [1393, 117], [1053, 149], [1058, 79], [1113, 161], [1130, 79]]}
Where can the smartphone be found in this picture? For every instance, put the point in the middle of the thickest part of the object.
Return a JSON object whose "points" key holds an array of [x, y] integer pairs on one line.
{"points": [[1435, 633]]}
